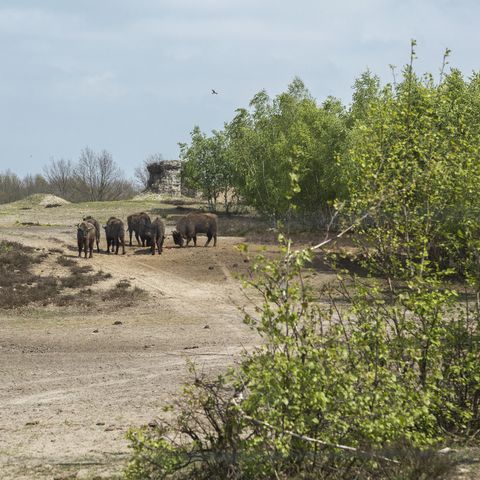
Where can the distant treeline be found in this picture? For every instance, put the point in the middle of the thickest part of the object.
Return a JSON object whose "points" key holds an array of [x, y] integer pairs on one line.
{"points": [[94, 177], [294, 157]]}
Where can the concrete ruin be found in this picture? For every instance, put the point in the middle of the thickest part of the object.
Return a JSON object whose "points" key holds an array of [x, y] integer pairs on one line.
{"points": [[165, 178]]}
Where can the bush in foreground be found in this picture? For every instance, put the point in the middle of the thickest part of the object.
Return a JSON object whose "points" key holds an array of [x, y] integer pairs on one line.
{"points": [[365, 390]]}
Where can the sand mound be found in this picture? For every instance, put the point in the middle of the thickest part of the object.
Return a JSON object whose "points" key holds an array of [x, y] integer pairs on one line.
{"points": [[53, 201], [40, 199]]}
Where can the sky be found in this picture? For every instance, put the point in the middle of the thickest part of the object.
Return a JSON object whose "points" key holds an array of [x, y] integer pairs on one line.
{"points": [[134, 77]]}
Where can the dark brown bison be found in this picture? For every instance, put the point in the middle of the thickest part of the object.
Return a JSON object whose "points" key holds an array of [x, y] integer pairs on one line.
{"points": [[115, 234], [85, 238], [91, 220], [136, 223], [155, 235], [189, 225]]}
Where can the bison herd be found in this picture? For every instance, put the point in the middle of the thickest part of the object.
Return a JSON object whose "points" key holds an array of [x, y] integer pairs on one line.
{"points": [[147, 232]]}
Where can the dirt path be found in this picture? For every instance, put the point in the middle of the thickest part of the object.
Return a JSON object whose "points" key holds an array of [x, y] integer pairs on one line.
{"points": [[72, 383]]}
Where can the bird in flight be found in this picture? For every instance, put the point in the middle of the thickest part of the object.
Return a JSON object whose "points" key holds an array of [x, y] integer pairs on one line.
{"points": [[214, 92]]}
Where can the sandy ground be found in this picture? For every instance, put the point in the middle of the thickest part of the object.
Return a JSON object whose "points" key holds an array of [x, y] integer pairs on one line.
{"points": [[72, 383], [68, 394]]}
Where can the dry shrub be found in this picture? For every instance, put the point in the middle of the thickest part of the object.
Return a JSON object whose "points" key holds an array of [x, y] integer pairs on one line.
{"points": [[123, 294], [19, 286], [66, 262], [80, 276]]}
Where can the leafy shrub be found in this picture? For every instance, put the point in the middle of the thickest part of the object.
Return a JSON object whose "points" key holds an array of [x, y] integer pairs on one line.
{"points": [[413, 165], [341, 391]]}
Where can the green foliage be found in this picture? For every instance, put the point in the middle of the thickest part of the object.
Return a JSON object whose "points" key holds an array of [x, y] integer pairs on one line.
{"points": [[285, 151], [366, 91], [279, 155], [344, 385], [374, 369], [414, 163], [207, 167]]}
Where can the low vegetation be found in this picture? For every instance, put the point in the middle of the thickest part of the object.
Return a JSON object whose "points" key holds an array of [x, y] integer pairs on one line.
{"points": [[19, 286], [123, 294], [371, 385]]}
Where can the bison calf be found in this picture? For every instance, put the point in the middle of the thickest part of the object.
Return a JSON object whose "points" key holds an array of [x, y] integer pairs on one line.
{"points": [[85, 238], [115, 234], [91, 220], [136, 223], [155, 235], [190, 225]]}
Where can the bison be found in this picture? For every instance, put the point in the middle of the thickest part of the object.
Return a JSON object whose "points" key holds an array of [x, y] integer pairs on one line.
{"points": [[115, 233], [85, 238], [91, 220], [136, 223], [189, 225], [155, 234]]}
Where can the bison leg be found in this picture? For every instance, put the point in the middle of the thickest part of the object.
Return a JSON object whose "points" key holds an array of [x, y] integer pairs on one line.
{"points": [[195, 241], [91, 250], [122, 240], [215, 240], [130, 233], [209, 237]]}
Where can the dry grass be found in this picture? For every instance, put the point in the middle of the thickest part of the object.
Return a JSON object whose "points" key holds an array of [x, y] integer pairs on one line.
{"points": [[19, 286], [123, 295]]}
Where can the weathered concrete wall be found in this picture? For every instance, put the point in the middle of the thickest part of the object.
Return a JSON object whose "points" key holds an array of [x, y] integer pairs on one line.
{"points": [[165, 177]]}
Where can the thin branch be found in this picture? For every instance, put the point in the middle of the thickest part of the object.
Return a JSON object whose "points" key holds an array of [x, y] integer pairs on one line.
{"points": [[339, 235], [306, 438]]}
